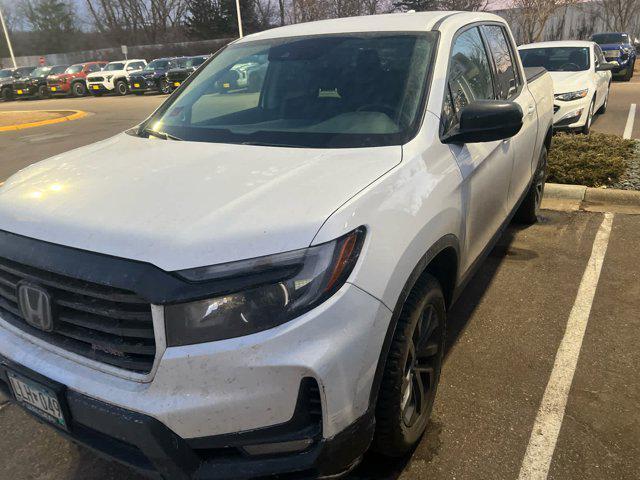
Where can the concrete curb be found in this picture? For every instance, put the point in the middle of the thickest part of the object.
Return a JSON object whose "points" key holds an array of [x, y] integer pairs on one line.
{"points": [[75, 115], [579, 197]]}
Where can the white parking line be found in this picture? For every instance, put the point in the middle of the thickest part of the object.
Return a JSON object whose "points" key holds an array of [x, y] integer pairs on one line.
{"points": [[628, 129], [546, 428]]}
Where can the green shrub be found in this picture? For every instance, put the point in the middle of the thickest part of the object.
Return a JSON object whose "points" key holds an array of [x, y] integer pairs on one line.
{"points": [[593, 160]]}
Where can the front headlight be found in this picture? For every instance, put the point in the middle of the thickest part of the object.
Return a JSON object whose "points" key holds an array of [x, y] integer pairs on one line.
{"points": [[566, 97], [281, 287]]}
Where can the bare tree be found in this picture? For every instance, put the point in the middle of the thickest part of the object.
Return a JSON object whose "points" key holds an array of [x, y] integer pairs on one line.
{"points": [[619, 15], [135, 21], [531, 16]]}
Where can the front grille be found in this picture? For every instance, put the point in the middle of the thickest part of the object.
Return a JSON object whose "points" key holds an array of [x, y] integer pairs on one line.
{"points": [[96, 79], [105, 324], [20, 85]]}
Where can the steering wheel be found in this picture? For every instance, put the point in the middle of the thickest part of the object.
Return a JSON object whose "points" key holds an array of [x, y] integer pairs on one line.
{"points": [[570, 67], [377, 107]]}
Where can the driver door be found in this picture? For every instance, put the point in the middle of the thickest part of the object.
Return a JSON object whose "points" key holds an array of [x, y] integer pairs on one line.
{"points": [[485, 167]]}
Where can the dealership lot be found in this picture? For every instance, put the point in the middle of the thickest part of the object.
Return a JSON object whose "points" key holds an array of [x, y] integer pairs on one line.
{"points": [[504, 336]]}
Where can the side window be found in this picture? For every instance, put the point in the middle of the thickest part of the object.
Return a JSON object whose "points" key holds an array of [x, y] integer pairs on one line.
{"points": [[470, 76], [506, 78]]}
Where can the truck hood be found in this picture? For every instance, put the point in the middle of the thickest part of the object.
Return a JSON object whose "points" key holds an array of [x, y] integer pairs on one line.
{"points": [[181, 205], [614, 46], [565, 82], [104, 73]]}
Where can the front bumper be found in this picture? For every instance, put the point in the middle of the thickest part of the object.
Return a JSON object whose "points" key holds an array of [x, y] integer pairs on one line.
{"points": [[59, 88], [572, 114], [100, 87], [219, 390], [146, 445], [144, 85]]}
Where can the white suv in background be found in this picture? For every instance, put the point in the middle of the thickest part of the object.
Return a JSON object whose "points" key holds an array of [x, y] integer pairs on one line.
{"points": [[114, 76], [581, 79]]}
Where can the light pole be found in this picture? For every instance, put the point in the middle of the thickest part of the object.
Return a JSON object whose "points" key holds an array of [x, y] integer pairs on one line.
{"points": [[6, 35], [239, 18]]}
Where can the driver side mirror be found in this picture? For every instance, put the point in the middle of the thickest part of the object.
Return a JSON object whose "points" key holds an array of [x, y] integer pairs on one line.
{"points": [[606, 66], [486, 121]]}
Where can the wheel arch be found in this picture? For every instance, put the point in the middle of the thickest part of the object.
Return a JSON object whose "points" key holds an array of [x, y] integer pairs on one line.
{"points": [[442, 261]]}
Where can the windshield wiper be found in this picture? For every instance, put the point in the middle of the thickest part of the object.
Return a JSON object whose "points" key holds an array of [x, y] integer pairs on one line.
{"points": [[161, 135], [271, 144]]}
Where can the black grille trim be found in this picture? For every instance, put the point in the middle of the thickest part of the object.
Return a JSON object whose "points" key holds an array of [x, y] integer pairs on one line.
{"points": [[106, 324]]}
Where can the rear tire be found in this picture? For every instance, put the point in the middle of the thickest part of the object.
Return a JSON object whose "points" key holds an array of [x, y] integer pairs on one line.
{"points": [[412, 370], [78, 89], [529, 209]]}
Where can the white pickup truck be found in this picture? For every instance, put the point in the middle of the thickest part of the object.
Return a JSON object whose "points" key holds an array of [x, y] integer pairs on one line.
{"points": [[114, 77], [256, 281]]}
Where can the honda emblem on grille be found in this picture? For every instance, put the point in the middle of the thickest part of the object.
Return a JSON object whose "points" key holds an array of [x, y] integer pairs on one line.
{"points": [[35, 306]]}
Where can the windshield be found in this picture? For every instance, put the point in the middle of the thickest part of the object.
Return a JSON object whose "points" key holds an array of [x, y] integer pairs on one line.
{"points": [[114, 66], [351, 90], [194, 62], [57, 69], [5, 73], [158, 65], [39, 72], [74, 69], [557, 59], [604, 38]]}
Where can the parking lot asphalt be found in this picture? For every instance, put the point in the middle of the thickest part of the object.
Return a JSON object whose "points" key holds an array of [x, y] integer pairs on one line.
{"points": [[623, 95], [504, 335]]}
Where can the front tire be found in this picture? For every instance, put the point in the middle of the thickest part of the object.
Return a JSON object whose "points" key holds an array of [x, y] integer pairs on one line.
{"points": [[6, 94], [43, 92], [587, 126], [629, 74], [165, 88], [412, 370], [121, 88], [530, 207], [78, 89]]}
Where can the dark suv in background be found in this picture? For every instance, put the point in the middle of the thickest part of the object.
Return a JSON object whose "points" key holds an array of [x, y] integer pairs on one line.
{"points": [[618, 48], [35, 84], [185, 67], [8, 77], [153, 77]]}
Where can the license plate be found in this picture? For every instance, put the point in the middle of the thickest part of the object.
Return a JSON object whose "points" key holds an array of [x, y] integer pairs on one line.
{"points": [[19, 92], [96, 87], [137, 85], [37, 398], [176, 84], [54, 89]]}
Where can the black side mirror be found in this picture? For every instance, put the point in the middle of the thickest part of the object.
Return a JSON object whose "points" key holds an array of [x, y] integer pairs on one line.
{"points": [[486, 121], [603, 67]]}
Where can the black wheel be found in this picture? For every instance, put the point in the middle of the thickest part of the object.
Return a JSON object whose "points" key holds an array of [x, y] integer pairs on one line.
{"points": [[412, 371], [6, 94], [530, 207], [587, 126], [78, 89], [121, 87], [165, 87], [604, 106], [43, 92]]}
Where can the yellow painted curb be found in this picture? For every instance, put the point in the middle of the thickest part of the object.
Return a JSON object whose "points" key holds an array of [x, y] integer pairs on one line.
{"points": [[74, 116]]}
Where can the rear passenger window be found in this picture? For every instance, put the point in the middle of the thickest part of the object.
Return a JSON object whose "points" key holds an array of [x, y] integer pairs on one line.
{"points": [[506, 78], [469, 76]]}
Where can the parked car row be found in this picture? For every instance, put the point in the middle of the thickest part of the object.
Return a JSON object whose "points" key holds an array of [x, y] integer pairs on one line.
{"points": [[98, 78], [582, 72]]}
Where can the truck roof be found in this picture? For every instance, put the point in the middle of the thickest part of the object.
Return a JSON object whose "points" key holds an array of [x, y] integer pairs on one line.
{"points": [[390, 22]]}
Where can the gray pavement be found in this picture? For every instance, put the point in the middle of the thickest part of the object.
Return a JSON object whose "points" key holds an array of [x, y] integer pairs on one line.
{"points": [[623, 94], [503, 337]]}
